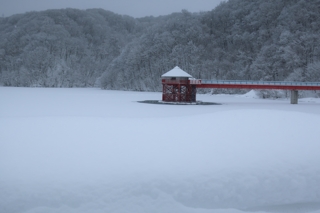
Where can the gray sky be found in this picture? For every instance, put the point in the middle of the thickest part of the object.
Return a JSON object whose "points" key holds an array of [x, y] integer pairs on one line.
{"points": [[135, 8]]}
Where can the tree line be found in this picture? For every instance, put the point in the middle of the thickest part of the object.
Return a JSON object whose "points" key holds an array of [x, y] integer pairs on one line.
{"points": [[61, 48], [238, 40]]}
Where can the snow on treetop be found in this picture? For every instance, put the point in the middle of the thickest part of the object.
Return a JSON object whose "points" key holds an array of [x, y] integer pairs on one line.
{"points": [[176, 72]]}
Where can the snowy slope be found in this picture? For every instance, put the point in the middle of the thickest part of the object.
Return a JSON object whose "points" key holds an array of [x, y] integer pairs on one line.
{"points": [[90, 150]]}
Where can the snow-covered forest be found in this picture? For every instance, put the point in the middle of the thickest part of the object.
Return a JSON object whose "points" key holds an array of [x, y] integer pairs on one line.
{"points": [[239, 39]]}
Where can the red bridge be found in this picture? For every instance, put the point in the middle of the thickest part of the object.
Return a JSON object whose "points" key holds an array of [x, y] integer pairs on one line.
{"points": [[282, 85], [279, 85]]}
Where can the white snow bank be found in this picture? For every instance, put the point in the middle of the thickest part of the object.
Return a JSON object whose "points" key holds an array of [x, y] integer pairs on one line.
{"points": [[89, 150], [250, 94]]}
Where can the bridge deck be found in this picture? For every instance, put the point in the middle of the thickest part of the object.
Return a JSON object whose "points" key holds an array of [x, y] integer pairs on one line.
{"points": [[284, 85]]}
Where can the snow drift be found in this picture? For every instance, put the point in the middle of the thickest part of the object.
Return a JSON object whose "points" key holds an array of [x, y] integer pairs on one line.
{"points": [[88, 150]]}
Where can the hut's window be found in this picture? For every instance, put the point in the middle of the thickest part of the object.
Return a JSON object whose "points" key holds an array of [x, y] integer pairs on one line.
{"points": [[173, 78]]}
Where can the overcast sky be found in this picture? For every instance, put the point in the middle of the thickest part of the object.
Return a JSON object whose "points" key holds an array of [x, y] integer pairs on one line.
{"points": [[135, 8]]}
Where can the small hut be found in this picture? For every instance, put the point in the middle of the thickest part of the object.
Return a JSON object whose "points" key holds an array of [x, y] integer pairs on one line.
{"points": [[179, 86]]}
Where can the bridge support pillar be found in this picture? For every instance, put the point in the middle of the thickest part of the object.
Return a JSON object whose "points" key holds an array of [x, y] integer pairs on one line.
{"points": [[294, 96]]}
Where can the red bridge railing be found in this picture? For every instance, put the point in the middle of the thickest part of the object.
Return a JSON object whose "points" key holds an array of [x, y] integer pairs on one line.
{"points": [[285, 85]]}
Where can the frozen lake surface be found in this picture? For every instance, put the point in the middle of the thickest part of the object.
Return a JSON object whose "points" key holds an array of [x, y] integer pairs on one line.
{"points": [[94, 151]]}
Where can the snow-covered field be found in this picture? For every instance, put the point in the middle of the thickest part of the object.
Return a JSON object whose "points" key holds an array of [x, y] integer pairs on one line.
{"points": [[94, 151]]}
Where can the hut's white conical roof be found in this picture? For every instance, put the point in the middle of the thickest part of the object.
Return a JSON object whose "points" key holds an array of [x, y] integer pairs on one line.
{"points": [[177, 72]]}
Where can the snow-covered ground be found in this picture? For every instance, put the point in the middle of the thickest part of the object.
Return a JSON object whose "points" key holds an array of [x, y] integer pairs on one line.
{"points": [[94, 151]]}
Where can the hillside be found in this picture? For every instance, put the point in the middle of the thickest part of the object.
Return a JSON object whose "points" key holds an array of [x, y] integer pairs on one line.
{"points": [[61, 48], [239, 39]]}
